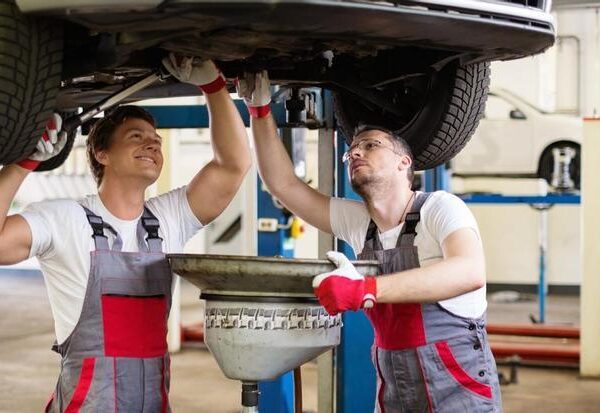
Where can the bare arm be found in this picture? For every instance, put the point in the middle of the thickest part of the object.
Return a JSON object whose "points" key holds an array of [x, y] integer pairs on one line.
{"points": [[460, 271], [213, 188], [15, 234], [277, 172]]}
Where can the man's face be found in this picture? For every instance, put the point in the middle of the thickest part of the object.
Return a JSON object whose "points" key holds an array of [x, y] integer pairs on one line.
{"points": [[134, 152], [372, 157]]}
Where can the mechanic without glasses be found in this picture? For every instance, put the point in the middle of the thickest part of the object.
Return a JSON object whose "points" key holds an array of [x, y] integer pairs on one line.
{"points": [[103, 259]]}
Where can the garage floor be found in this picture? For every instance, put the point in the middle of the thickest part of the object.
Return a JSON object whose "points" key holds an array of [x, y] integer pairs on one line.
{"points": [[28, 368]]}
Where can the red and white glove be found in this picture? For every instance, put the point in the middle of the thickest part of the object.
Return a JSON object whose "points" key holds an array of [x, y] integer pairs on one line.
{"points": [[255, 89], [344, 288], [202, 73], [50, 144]]}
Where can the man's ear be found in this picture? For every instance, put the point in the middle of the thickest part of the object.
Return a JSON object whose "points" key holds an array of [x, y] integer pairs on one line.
{"points": [[101, 157], [405, 162]]}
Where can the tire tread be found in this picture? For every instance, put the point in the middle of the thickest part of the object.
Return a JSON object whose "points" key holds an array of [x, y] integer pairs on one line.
{"points": [[465, 108], [30, 74]]}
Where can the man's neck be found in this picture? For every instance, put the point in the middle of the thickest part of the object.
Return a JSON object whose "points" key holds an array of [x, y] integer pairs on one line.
{"points": [[388, 209], [125, 200]]}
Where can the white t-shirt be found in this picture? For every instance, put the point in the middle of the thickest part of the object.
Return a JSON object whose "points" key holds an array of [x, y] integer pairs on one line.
{"points": [[442, 214], [62, 241]]}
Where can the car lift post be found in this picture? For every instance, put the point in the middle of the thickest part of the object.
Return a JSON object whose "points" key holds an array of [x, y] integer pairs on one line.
{"points": [[327, 167], [274, 239], [276, 396], [436, 179]]}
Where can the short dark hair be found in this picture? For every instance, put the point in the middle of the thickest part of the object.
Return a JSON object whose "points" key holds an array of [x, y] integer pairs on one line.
{"points": [[399, 143], [101, 134]]}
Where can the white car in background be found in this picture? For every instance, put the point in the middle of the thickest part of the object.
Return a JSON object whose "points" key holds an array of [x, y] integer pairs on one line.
{"points": [[515, 139]]}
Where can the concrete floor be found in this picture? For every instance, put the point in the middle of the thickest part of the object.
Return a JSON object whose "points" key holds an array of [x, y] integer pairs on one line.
{"points": [[28, 368]]}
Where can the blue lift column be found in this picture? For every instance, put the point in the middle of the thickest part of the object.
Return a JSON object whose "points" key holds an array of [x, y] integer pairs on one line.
{"points": [[436, 179], [276, 396]]}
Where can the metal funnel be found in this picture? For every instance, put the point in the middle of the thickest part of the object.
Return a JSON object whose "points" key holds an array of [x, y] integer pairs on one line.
{"points": [[262, 318], [254, 341]]}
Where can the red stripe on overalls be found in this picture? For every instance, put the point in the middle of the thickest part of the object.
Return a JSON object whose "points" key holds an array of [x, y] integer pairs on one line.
{"points": [[459, 374], [83, 385]]}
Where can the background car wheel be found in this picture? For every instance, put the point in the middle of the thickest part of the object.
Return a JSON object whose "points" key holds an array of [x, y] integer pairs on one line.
{"points": [[546, 164], [30, 64], [442, 111]]}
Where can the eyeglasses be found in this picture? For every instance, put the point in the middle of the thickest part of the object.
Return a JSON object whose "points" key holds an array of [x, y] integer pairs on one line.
{"points": [[365, 146]]}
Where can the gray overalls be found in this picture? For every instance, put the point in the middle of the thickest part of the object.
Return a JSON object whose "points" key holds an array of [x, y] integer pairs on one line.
{"points": [[116, 358], [427, 359]]}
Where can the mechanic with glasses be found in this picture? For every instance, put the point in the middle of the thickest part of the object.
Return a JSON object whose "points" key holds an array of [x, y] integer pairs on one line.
{"points": [[428, 306], [103, 258]]}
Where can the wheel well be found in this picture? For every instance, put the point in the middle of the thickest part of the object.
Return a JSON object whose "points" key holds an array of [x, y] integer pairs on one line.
{"points": [[545, 164], [548, 150]]}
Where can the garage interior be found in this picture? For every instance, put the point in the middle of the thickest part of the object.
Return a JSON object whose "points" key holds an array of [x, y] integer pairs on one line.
{"points": [[539, 234]]}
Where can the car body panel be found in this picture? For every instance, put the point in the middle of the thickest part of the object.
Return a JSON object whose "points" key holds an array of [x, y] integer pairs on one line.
{"points": [[495, 7], [494, 30], [356, 46], [505, 146]]}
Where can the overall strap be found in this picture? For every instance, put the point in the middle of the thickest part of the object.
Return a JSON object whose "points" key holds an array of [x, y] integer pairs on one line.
{"points": [[407, 236], [372, 241], [98, 225], [148, 224]]}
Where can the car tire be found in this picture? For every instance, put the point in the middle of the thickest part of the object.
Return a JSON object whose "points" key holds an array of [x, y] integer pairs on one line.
{"points": [[546, 164], [31, 64], [453, 102]]}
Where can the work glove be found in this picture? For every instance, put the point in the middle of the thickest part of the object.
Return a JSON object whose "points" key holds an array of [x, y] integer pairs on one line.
{"points": [[49, 145], [255, 89], [344, 288], [202, 73]]}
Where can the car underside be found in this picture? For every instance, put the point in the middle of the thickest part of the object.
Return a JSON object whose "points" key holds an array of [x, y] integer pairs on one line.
{"points": [[347, 45], [402, 65]]}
